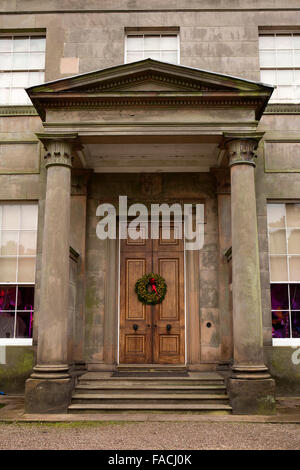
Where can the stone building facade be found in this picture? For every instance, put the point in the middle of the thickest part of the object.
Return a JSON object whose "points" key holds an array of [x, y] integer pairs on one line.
{"points": [[163, 102]]}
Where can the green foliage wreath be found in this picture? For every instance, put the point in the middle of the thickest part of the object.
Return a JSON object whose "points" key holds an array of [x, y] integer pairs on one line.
{"points": [[151, 289]]}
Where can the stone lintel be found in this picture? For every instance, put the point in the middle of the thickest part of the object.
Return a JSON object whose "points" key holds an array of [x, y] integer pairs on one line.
{"points": [[241, 147]]}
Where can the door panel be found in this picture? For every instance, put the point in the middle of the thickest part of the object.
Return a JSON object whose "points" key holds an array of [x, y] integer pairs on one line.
{"points": [[159, 334]]}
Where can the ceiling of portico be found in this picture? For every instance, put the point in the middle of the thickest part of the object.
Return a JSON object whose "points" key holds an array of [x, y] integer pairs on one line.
{"points": [[151, 157]]}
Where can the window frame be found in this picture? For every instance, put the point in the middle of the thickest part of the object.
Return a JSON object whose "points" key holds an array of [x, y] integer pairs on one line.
{"points": [[151, 32], [293, 342], [22, 34], [280, 32], [19, 341]]}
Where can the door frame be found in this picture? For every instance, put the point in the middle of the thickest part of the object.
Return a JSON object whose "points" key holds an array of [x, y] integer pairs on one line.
{"points": [[185, 303]]}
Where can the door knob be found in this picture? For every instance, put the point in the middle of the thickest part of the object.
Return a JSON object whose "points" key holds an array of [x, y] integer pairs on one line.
{"points": [[135, 326], [169, 327]]}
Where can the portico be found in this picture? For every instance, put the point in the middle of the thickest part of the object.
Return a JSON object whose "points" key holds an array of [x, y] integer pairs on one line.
{"points": [[158, 133]]}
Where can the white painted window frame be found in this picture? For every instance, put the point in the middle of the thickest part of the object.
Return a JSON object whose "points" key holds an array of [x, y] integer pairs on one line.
{"points": [[152, 33], [18, 341], [293, 342]]}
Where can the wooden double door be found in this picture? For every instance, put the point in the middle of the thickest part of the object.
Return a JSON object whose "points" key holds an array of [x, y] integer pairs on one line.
{"points": [[152, 334]]}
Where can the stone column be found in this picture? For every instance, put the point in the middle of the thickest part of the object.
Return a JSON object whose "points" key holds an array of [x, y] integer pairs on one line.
{"points": [[251, 387], [223, 190], [49, 387]]}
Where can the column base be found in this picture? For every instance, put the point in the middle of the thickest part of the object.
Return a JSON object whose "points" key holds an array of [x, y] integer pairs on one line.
{"points": [[252, 396], [48, 390]]}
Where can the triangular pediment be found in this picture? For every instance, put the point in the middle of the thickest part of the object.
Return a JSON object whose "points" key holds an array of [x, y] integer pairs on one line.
{"points": [[148, 78]]}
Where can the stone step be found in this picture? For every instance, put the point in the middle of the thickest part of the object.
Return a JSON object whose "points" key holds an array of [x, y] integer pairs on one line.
{"points": [[84, 408], [140, 400], [118, 389], [128, 381]]}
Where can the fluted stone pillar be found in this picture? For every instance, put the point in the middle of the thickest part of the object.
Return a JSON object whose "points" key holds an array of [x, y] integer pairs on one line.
{"points": [[49, 387], [251, 387]]}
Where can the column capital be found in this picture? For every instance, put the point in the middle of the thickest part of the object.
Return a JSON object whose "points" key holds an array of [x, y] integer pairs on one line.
{"points": [[241, 147], [59, 148]]}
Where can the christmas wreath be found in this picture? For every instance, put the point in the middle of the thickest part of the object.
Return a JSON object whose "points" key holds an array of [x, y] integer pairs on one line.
{"points": [[151, 289]]}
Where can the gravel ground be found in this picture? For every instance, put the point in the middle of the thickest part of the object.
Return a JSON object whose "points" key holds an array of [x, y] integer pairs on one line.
{"points": [[155, 436]]}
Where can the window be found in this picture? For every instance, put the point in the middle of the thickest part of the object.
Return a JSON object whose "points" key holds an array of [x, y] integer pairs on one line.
{"points": [[18, 233], [164, 47], [22, 63], [280, 65], [284, 253]]}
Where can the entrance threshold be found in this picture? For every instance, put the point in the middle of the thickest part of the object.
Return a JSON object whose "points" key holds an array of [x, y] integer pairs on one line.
{"points": [[151, 370]]}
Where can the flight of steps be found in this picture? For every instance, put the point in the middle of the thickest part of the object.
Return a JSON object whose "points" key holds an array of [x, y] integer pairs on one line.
{"points": [[152, 390]]}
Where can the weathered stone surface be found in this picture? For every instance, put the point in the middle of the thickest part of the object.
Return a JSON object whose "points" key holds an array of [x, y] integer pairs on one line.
{"points": [[252, 396], [48, 396]]}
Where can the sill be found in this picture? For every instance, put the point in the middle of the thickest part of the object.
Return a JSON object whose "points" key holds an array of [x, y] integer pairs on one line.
{"points": [[293, 342], [15, 342]]}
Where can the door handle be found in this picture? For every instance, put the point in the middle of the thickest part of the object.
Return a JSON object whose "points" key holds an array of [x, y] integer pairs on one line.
{"points": [[135, 326], [169, 327]]}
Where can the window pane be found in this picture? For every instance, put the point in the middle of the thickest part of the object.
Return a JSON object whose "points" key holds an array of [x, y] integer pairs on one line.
{"points": [[277, 242], [20, 61], [4, 95], [169, 43], [297, 58], [152, 54], [5, 44], [29, 214], [268, 76], [8, 269], [135, 43], [293, 215], [168, 56], [10, 216], [151, 43], [36, 61], [280, 325], [7, 324], [283, 41], [267, 58], [35, 78], [295, 296], [24, 324], [294, 264], [9, 243], [276, 215], [37, 44], [295, 324], [267, 42], [285, 77], [26, 270], [296, 41], [20, 79], [279, 297], [7, 298], [25, 298], [6, 61], [20, 44], [285, 92], [5, 79], [284, 58], [134, 56], [19, 96], [27, 243], [278, 268], [293, 237]]}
